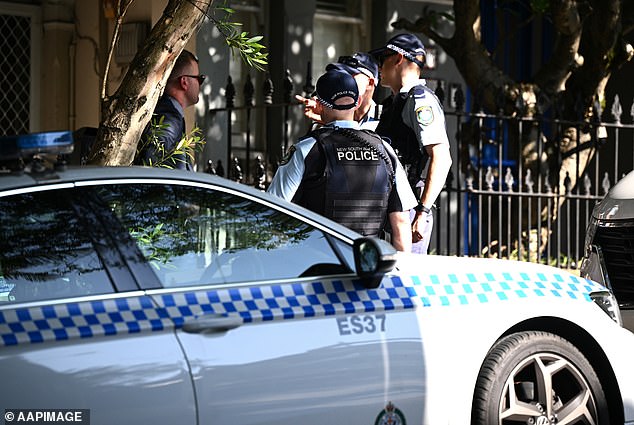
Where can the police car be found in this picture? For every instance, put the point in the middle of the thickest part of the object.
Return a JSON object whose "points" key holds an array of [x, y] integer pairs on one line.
{"points": [[150, 296]]}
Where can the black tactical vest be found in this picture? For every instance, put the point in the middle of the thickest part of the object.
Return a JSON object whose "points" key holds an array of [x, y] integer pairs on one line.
{"points": [[402, 138], [348, 179]]}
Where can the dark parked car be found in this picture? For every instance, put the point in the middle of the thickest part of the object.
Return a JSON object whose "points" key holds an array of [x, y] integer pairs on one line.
{"points": [[609, 246]]}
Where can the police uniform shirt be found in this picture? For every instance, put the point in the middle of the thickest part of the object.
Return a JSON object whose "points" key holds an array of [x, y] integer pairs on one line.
{"points": [[371, 120], [424, 115], [289, 175]]}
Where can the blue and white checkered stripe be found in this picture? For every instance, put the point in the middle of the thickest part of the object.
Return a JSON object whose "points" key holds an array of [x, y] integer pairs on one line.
{"points": [[453, 289], [279, 302], [80, 320], [289, 301]]}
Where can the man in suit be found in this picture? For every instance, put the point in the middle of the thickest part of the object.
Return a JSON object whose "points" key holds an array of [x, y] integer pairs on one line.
{"points": [[159, 141]]}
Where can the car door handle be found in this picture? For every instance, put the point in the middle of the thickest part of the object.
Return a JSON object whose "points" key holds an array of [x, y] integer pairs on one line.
{"points": [[212, 323]]}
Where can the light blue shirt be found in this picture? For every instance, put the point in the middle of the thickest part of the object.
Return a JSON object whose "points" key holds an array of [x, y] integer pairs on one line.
{"points": [[425, 116]]}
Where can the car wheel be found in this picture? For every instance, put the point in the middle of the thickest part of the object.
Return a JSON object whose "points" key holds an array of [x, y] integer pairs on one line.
{"points": [[538, 378]]}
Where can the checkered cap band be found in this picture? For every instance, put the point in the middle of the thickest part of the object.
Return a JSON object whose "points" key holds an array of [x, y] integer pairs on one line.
{"points": [[405, 53]]}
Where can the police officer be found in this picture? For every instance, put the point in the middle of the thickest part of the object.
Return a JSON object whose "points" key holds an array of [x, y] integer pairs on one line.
{"points": [[414, 121], [365, 71], [344, 173]]}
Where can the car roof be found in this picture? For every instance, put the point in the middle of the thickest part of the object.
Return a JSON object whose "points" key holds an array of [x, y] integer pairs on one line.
{"points": [[71, 175]]}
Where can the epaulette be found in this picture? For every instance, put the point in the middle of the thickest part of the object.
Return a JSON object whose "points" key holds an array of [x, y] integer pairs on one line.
{"points": [[418, 91]]}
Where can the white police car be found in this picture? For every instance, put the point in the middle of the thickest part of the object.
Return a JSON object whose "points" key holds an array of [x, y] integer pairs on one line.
{"points": [[152, 296]]}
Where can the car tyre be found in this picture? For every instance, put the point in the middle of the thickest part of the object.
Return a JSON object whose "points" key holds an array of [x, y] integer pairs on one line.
{"points": [[540, 378]]}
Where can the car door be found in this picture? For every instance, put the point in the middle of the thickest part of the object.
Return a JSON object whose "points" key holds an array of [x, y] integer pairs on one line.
{"points": [[275, 326], [75, 331]]}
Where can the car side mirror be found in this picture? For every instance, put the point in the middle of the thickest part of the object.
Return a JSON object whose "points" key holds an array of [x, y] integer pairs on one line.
{"points": [[372, 259]]}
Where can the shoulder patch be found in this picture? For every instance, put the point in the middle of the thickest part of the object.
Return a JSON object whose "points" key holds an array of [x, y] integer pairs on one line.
{"points": [[289, 154], [425, 115]]}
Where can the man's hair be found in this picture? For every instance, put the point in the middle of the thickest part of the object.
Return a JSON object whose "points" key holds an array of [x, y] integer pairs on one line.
{"points": [[184, 59]]}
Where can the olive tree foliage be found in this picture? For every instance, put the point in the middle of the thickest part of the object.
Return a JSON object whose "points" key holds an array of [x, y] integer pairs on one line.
{"points": [[589, 45], [126, 112]]}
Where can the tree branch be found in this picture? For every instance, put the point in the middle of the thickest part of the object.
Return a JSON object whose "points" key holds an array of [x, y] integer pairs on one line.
{"points": [[424, 25], [120, 11], [600, 33], [125, 114], [566, 18]]}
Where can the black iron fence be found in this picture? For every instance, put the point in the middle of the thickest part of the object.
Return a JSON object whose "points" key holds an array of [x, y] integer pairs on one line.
{"points": [[519, 188], [517, 192]]}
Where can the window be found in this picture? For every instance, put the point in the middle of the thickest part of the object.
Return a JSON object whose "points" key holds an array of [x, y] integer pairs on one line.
{"points": [[340, 28], [45, 250], [196, 236], [19, 94]]}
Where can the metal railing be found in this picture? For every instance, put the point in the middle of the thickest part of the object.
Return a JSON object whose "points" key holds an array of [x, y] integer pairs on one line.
{"points": [[500, 199]]}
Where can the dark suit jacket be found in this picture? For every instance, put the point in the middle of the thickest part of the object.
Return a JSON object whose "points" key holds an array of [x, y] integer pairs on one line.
{"points": [[168, 137]]}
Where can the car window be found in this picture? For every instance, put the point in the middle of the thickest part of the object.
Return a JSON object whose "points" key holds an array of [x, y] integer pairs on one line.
{"points": [[45, 250], [197, 236]]}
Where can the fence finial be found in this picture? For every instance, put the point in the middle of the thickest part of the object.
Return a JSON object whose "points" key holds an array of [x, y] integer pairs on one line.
{"points": [[605, 184], [267, 89], [617, 110], [567, 183], [489, 178], [236, 170], [469, 180], [220, 170], [260, 173], [509, 179], [230, 93], [249, 92], [528, 181], [459, 98], [288, 87], [210, 167], [440, 92], [587, 184]]}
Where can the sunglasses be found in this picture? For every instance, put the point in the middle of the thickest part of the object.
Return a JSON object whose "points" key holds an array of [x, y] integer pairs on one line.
{"points": [[356, 63], [350, 61], [383, 58], [200, 77]]}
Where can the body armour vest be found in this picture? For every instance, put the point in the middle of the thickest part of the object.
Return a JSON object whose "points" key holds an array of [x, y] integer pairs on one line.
{"points": [[350, 179], [402, 138]]}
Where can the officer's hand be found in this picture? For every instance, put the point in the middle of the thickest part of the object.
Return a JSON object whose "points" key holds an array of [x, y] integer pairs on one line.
{"points": [[312, 108], [418, 228]]}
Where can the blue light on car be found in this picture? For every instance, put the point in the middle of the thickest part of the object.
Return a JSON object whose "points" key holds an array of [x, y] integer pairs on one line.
{"points": [[52, 142]]}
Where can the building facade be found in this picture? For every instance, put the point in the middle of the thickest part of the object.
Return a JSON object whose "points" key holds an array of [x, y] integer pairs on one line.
{"points": [[55, 54]]}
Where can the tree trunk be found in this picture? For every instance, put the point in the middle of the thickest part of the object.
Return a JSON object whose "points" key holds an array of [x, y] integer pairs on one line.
{"points": [[126, 113]]}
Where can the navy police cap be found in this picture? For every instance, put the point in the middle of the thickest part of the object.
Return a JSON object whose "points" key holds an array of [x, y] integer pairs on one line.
{"points": [[336, 84], [408, 45], [358, 63]]}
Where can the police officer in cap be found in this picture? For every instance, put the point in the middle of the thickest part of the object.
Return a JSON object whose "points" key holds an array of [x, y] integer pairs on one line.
{"points": [[344, 173], [365, 71], [414, 121]]}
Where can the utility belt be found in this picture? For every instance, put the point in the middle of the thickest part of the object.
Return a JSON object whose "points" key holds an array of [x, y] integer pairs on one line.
{"points": [[413, 165]]}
